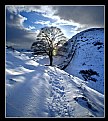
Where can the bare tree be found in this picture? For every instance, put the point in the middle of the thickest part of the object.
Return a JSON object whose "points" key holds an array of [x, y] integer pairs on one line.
{"points": [[48, 40]]}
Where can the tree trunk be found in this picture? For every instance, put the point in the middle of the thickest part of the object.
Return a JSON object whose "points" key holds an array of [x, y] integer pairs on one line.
{"points": [[51, 58]]}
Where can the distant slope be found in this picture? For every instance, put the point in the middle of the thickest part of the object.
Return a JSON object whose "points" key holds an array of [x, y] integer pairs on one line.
{"points": [[35, 90], [88, 60]]}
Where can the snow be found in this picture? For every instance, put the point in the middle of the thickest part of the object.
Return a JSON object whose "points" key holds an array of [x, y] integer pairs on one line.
{"points": [[89, 56], [36, 90]]}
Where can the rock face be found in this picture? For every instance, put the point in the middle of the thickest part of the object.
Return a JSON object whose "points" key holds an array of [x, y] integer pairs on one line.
{"points": [[88, 60]]}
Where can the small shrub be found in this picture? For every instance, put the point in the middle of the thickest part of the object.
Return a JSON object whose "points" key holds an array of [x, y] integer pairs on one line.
{"points": [[97, 43], [86, 74]]}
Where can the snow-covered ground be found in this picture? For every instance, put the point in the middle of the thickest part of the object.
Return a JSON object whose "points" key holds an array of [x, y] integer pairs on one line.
{"points": [[36, 90], [88, 58]]}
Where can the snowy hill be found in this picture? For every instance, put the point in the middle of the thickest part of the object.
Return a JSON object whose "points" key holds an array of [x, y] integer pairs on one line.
{"points": [[36, 90], [88, 60]]}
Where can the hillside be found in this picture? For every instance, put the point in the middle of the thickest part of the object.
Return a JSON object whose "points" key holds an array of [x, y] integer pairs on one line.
{"points": [[88, 60], [36, 90]]}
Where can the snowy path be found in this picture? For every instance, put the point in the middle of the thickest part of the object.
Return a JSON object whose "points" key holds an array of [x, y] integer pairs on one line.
{"points": [[63, 101], [34, 90], [35, 98], [58, 105]]}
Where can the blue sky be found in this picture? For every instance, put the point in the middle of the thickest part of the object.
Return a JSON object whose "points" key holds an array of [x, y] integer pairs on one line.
{"points": [[24, 22]]}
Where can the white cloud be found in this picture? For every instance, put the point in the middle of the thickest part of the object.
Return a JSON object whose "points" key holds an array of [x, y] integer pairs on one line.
{"points": [[46, 10], [15, 20], [21, 20], [12, 9], [59, 16], [57, 21], [92, 15], [30, 28], [43, 22], [16, 34], [66, 22]]}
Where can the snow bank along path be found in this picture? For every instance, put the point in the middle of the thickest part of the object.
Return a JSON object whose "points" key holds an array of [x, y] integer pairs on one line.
{"points": [[34, 90]]}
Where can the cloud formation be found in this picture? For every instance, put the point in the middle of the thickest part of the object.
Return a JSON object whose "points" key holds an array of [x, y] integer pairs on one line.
{"points": [[88, 15], [71, 19], [16, 33]]}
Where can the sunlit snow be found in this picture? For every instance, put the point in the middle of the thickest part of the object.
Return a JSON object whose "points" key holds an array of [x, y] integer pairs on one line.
{"points": [[36, 90]]}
